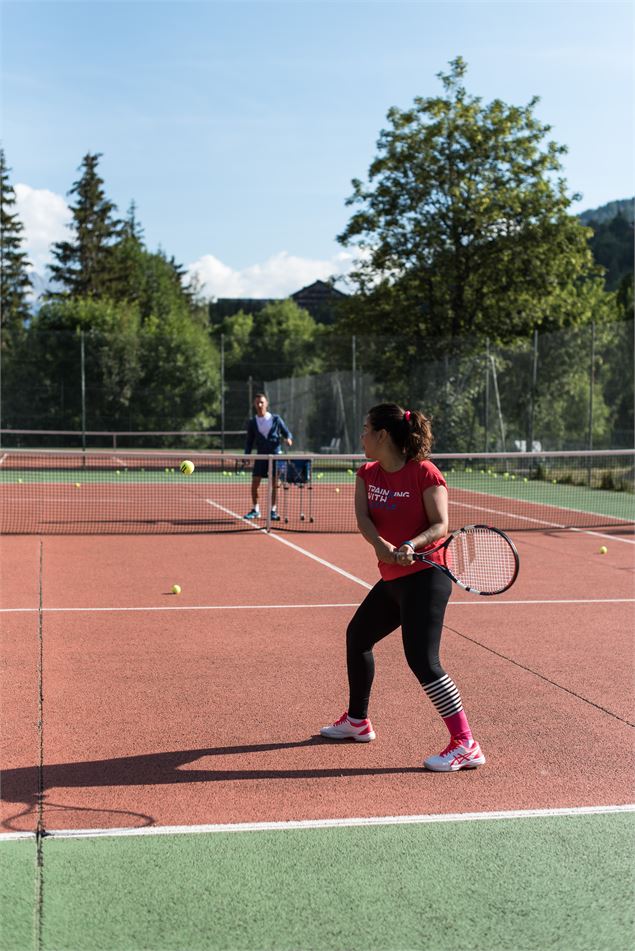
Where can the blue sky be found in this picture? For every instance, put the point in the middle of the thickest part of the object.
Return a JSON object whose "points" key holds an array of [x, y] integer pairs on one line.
{"points": [[237, 126]]}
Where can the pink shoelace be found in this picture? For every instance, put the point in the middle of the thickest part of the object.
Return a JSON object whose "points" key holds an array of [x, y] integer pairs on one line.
{"points": [[344, 718], [452, 745]]}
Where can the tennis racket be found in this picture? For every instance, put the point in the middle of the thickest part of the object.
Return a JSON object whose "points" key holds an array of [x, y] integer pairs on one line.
{"points": [[478, 558]]}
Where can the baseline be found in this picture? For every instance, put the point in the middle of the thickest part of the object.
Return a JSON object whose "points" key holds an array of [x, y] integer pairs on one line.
{"points": [[329, 823]]}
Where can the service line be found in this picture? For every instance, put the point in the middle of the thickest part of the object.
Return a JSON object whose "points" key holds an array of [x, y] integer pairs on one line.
{"points": [[340, 604]]}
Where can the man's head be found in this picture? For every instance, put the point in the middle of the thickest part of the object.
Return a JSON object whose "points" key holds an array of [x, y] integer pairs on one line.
{"points": [[261, 404]]}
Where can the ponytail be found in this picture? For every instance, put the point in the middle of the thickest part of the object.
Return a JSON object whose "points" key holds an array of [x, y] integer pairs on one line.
{"points": [[410, 430]]}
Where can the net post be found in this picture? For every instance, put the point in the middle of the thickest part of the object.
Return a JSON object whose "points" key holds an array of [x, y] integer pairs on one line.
{"points": [[273, 474]]}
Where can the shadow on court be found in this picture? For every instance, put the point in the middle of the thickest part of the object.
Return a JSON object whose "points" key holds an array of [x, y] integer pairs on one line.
{"points": [[23, 785]]}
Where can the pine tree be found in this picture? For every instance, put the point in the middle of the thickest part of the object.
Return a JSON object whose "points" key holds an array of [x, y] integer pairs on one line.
{"points": [[14, 278], [128, 264], [85, 266]]}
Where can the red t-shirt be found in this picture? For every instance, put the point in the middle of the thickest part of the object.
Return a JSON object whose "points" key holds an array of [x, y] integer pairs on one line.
{"points": [[395, 506]]}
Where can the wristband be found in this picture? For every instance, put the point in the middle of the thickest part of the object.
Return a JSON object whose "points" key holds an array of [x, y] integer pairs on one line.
{"points": [[407, 543]]}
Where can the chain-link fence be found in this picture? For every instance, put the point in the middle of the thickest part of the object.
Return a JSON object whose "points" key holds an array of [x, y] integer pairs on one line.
{"points": [[553, 391]]}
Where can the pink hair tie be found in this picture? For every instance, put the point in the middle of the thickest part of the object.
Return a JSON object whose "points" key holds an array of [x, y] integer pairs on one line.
{"points": [[406, 415]]}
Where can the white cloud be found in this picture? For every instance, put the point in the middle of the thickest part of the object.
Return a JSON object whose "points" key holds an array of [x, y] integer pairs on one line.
{"points": [[279, 276], [44, 216]]}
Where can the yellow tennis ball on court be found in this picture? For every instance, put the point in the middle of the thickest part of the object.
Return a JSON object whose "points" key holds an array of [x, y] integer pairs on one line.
{"points": [[176, 589], [187, 467], [77, 485], [603, 550], [337, 490]]}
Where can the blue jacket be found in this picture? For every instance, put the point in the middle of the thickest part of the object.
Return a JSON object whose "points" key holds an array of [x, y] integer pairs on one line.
{"points": [[272, 443]]}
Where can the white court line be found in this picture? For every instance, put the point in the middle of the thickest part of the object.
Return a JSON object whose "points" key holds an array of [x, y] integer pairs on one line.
{"points": [[303, 551], [194, 607], [548, 602], [484, 602], [364, 821]]}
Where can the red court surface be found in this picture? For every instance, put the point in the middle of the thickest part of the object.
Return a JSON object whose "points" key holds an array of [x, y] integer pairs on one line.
{"points": [[207, 709]]}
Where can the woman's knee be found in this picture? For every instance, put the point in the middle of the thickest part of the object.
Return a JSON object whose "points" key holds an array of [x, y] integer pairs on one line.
{"points": [[356, 638], [425, 666]]}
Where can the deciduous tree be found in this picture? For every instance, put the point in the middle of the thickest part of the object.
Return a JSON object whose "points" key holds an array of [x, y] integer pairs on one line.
{"points": [[464, 227]]}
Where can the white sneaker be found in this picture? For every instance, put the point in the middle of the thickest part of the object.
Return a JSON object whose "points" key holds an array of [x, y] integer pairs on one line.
{"points": [[456, 756], [345, 729]]}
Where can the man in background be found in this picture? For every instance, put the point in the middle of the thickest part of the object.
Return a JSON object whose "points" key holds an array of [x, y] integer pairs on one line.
{"points": [[266, 431]]}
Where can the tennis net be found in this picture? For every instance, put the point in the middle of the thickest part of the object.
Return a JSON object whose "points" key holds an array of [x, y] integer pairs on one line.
{"points": [[139, 492]]}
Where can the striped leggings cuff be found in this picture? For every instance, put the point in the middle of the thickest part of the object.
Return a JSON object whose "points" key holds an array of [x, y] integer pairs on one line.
{"points": [[444, 695]]}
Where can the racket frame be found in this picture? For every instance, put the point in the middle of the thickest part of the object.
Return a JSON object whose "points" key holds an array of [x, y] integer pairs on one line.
{"points": [[423, 557]]}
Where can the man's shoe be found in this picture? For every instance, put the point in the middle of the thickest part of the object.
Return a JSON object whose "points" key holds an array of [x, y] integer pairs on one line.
{"points": [[253, 514], [274, 516], [455, 756], [345, 729]]}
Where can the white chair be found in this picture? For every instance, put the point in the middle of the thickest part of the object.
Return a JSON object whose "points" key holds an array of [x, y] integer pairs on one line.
{"points": [[334, 445]]}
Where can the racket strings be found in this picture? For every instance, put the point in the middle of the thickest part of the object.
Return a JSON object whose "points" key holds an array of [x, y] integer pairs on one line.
{"points": [[482, 560]]}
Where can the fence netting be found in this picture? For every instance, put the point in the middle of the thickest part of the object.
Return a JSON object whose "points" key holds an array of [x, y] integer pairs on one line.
{"points": [[567, 390]]}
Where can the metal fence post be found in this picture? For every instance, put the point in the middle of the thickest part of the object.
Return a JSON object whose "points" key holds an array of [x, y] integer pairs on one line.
{"points": [[591, 382], [222, 391], [354, 370], [532, 395], [83, 387], [487, 395]]}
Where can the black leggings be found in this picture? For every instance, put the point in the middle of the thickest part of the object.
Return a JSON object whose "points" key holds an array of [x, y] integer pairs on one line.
{"points": [[417, 602]]}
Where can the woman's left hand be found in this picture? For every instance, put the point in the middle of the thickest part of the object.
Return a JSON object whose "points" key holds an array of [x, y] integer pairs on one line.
{"points": [[403, 555]]}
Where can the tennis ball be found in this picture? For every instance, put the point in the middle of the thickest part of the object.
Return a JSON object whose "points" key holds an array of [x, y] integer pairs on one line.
{"points": [[77, 485], [337, 490], [176, 589], [350, 471], [187, 467], [603, 550], [19, 481]]}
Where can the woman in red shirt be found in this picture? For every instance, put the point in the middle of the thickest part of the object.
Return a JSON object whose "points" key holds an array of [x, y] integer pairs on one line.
{"points": [[401, 505]]}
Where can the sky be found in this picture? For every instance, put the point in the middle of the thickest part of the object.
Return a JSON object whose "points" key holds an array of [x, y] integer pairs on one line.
{"points": [[236, 126]]}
